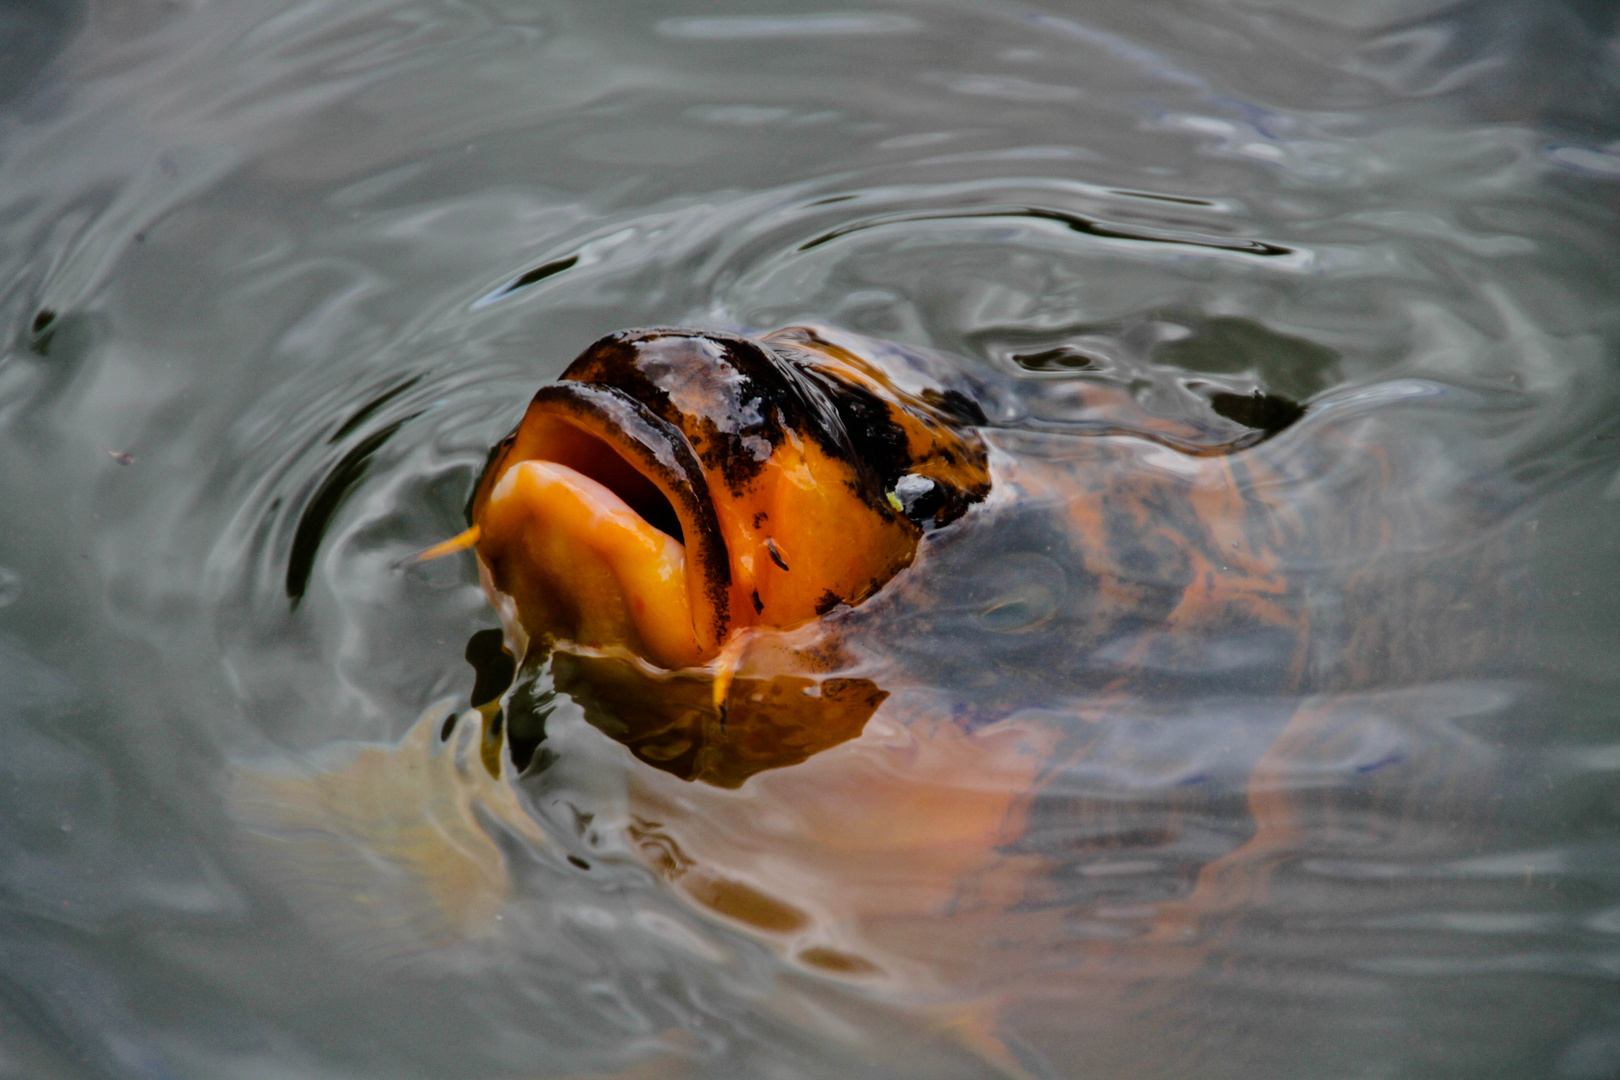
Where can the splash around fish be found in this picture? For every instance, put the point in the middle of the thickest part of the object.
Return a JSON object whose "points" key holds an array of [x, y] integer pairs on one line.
{"points": [[669, 513], [852, 622], [672, 523]]}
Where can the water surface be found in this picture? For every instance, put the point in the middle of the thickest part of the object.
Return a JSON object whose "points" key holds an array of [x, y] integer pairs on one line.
{"points": [[274, 276]]}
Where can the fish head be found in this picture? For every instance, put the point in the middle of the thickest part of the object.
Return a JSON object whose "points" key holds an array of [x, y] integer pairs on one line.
{"points": [[675, 487]]}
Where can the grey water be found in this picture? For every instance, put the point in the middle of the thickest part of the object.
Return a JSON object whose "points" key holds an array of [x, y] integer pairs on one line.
{"points": [[274, 275]]}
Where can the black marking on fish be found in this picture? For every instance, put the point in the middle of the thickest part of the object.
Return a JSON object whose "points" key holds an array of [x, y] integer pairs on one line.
{"points": [[957, 405], [752, 395], [759, 605], [879, 445], [828, 601], [775, 554], [883, 450], [750, 398]]}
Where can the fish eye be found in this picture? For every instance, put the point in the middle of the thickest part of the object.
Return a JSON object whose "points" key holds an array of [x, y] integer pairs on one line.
{"points": [[1023, 592], [913, 486], [1025, 610], [919, 496]]}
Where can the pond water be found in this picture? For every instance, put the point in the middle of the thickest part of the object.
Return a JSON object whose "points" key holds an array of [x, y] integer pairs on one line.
{"points": [[274, 276]]}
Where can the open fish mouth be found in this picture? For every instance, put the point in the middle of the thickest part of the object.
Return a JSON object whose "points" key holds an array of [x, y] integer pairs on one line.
{"points": [[676, 486], [601, 524]]}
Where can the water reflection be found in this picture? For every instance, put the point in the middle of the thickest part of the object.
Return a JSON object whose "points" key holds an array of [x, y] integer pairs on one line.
{"points": [[242, 242]]}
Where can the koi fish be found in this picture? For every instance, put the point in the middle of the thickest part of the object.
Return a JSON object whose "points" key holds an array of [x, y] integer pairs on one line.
{"points": [[853, 613]]}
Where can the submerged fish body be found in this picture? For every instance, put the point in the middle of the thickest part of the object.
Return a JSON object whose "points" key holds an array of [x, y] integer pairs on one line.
{"points": [[902, 619], [701, 530], [867, 630]]}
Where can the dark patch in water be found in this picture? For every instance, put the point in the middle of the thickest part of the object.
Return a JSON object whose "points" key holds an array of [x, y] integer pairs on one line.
{"points": [[1285, 364], [42, 331], [1263, 412], [530, 277], [493, 667], [1076, 222], [368, 410], [528, 709], [1179, 200], [1062, 358], [324, 504]]}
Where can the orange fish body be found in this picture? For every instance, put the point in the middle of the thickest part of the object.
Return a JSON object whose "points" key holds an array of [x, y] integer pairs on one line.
{"points": [[883, 664], [686, 486], [731, 551]]}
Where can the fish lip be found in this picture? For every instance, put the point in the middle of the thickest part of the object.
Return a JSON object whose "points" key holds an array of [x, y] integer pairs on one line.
{"points": [[656, 449]]}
